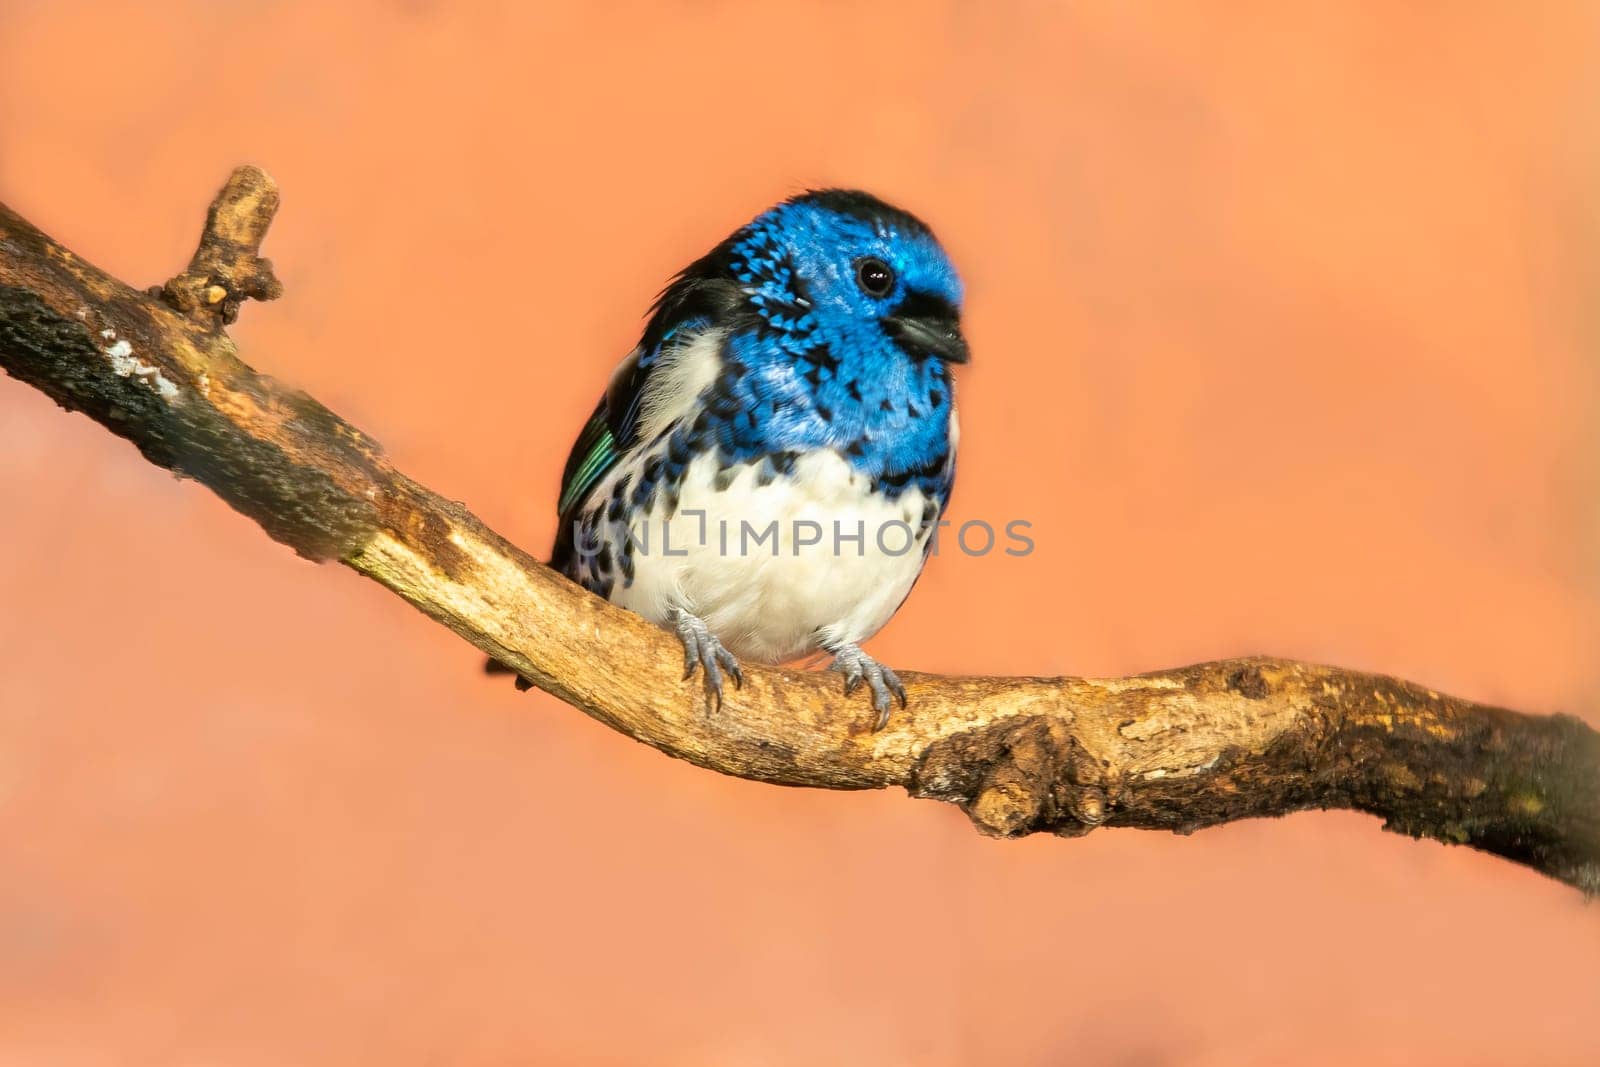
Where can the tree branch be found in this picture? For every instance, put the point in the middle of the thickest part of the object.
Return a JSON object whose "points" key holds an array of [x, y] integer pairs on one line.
{"points": [[1175, 750]]}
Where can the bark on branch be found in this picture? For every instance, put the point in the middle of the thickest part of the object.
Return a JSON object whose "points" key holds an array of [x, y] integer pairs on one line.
{"points": [[1174, 750]]}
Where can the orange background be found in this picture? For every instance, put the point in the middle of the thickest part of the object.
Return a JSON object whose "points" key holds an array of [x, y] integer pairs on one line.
{"points": [[1284, 320]]}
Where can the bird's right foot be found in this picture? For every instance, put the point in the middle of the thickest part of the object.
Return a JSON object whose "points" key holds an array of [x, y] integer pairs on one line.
{"points": [[702, 649]]}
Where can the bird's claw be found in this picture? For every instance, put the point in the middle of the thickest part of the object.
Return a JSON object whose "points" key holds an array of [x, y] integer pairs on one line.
{"points": [[858, 667], [702, 649]]}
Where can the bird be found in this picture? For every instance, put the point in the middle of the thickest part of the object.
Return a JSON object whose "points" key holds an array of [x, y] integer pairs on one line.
{"points": [[766, 471]]}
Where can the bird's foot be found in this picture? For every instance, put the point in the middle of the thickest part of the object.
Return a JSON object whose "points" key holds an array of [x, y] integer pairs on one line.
{"points": [[858, 667], [702, 649]]}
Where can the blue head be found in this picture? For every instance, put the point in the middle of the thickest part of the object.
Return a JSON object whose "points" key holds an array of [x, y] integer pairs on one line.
{"points": [[828, 266], [842, 315]]}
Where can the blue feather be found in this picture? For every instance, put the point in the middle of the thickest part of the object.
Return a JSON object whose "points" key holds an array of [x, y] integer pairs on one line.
{"points": [[809, 359]]}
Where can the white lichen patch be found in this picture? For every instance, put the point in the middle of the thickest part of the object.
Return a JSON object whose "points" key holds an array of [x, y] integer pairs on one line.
{"points": [[127, 365], [121, 356]]}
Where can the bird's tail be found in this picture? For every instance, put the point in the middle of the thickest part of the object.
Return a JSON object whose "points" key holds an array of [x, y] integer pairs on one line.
{"points": [[494, 666]]}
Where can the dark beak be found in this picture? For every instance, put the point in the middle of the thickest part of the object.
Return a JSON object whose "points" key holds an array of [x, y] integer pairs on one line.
{"points": [[926, 326]]}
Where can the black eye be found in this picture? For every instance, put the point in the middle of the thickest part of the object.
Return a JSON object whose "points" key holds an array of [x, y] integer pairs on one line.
{"points": [[875, 277]]}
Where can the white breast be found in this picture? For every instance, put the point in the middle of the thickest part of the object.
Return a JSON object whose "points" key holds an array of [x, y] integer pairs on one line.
{"points": [[774, 600]]}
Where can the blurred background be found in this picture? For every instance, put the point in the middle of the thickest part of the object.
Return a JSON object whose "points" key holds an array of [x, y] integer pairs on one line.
{"points": [[1284, 318]]}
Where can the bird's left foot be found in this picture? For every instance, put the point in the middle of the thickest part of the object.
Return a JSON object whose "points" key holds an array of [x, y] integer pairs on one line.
{"points": [[858, 667]]}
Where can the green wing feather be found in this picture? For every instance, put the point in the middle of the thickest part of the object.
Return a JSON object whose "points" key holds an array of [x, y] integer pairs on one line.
{"points": [[593, 455], [608, 433]]}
